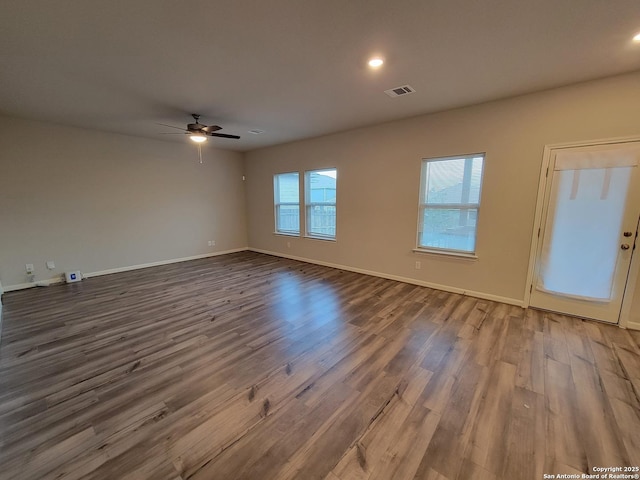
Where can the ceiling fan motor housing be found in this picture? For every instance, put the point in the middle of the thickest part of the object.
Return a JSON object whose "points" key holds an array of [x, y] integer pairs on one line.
{"points": [[195, 127]]}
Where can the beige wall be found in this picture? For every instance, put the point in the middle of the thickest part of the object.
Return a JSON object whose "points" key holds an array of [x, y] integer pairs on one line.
{"points": [[378, 180], [93, 201]]}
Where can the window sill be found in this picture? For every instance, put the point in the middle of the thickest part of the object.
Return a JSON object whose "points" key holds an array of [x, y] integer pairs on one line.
{"points": [[446, 253], [284, 234], [326, 239]]}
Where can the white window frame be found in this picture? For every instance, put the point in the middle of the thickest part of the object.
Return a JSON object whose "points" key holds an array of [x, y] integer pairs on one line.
{"points": [[277, 204], [422, 205], [309, 205]]}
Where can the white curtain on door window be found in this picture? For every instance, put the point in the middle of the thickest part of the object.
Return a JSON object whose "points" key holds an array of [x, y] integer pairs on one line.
{"points": [[582, 231], [604, 156]]}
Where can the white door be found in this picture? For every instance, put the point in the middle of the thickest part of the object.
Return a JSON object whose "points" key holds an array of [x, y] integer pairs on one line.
{"points": [[588, 230]]}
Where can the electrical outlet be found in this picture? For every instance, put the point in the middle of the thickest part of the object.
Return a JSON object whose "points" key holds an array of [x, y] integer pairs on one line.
{"points": [[51, 265], [418, 266], [213, 243], [288, 244], [29, 268], [209, 243]]}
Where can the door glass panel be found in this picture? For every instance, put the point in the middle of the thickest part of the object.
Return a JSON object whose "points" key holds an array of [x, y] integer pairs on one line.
{"points": [[582, 232]]}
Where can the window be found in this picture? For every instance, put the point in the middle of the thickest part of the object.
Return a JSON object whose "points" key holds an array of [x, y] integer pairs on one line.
{"points": [[286, 190], [320, 202], [449, 203]]}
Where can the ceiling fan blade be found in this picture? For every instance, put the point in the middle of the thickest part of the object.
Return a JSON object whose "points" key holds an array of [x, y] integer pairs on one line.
{"points": [[223, 135], [171, 126], [211, 128]]}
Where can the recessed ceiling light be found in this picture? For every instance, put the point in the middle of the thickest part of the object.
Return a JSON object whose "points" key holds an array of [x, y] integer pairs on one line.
{"points": [[376, 62], [636, 38]]}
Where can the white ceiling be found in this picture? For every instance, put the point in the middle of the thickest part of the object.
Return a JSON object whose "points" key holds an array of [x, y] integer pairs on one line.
{"points": [[294, 68]]}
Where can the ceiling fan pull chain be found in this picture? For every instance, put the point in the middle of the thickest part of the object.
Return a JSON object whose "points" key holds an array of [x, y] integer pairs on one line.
{"points": [[200, 153]]}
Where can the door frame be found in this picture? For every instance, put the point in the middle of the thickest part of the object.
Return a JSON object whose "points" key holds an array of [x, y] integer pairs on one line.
{"points": [[541, 210]]}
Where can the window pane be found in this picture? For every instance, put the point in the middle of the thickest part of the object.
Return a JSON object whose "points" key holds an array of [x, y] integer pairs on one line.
{"points": [[288, 218], [450, 198], [287, 202], [450, 229], [322, 186], [320, 198], [453, 181], [322, 220], [287, 188]]}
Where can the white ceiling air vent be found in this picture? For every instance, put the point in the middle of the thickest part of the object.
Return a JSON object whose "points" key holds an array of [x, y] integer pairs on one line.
{"points": [[399, 91]]}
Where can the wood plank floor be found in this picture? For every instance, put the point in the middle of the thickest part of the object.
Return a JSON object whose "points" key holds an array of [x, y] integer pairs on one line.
{"points": [[248, 366]]}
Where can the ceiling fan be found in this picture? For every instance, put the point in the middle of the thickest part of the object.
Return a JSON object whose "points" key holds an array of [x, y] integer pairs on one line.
{"points": [[199, 132]]}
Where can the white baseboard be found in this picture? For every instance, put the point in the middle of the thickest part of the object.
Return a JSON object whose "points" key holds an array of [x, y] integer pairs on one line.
{"points": [[412, 281], [50, 281], [632, 325], [161, 262], [23, 286], [39, 283], [60, 279]]}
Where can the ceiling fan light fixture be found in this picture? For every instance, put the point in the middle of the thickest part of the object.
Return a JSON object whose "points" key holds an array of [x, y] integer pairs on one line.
{"points": [[198, 137], [636, 37]]}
